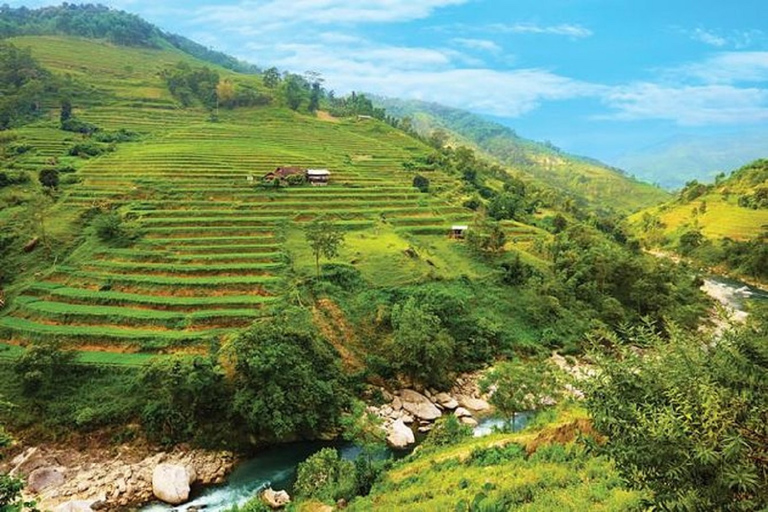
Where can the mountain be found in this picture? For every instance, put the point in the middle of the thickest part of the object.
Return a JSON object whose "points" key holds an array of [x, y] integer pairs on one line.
{"points": [[587, 181], [674, 162]]}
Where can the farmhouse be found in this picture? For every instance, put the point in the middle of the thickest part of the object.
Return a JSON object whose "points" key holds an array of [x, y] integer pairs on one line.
{"points": [[318, 176], [458, 232], [282, 173]]}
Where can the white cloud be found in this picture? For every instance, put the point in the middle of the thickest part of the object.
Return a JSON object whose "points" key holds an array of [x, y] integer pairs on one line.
{"points": [[736, 39], [566, 29], [319, 12], [478, 44], [707, 37], [725, 68], [688, 105]]}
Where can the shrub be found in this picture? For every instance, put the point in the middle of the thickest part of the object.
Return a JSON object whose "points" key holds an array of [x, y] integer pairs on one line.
{"points": [[121, 135], [112, 229], [89, 149], [421, 183], [77, 126], [49, 178], [326, 476]]}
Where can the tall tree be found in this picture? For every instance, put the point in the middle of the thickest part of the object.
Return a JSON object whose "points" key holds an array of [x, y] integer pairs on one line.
{"points": [[325, 239]]}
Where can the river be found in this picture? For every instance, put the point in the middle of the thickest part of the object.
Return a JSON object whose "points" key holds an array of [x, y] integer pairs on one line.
{"points": [[276, 467], [734, 295]]}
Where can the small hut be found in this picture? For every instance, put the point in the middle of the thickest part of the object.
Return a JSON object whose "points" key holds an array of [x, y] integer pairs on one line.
{"points": [[318, 176], [458, 232]]}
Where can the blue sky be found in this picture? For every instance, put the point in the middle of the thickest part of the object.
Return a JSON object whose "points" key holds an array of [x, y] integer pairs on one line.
{"points": [[596, 77]]}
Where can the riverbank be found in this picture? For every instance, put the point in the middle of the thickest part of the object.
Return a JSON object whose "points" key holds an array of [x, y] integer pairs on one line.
{"points": [[66, 478]]}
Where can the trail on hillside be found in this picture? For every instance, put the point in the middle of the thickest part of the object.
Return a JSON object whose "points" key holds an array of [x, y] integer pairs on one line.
{"points": [[336, 329]]}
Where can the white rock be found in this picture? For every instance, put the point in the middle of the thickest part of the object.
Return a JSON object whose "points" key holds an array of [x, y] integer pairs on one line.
{"points": [[275, 499], [472, 422], [170, 483], [407, 418], [397, 404], [473, 404], [400, 435], [74, 506], [461, 412], [419, 405]]}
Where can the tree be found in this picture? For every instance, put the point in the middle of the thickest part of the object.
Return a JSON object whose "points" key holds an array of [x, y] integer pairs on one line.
{"points": [[325, 239], [42, 365], [225, 93], [49, 178], [689, 420], [287, 380], [294, 91], [421, 347], [181, 395], [421, 182], [271, 78], [485, 236], [520, 386], [66, 111]]}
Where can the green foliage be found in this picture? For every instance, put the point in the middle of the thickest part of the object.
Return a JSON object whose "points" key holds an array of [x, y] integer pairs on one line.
{"points": [[188, 84], [421, 182], [520, 386], [43, 365], [616, 284], [10, 493], [688, 420], [87, 20], [184, 399], [689, 241], [485, 236], [447, 431], [421, 348], [72, 124], [49, 178], [325, 238], [111, 228], [325, 476], [24, 85], [287, 381], [89, 149]]}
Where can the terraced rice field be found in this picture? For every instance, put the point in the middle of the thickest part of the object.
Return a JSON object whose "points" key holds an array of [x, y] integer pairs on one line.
{"points": [[212, 252]]}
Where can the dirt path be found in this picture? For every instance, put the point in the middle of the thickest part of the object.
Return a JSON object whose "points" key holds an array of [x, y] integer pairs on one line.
{"points": [[337, 330]]}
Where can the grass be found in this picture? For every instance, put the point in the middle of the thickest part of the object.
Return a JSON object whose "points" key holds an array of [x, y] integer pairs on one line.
{"points": [[499, 472]]}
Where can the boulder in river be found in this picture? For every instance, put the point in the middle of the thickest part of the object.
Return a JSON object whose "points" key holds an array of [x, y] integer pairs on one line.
{"points": [[473, 404], [419, 405], [275, 499], [400, 436], [170, 483]]}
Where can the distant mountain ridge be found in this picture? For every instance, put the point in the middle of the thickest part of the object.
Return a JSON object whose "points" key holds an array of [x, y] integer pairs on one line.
{"points": [[674, 162], [586, 180]]}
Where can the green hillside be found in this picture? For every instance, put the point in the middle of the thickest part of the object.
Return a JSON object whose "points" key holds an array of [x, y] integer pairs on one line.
{"points": [[215, 246], [589, 183], [723, 223]]}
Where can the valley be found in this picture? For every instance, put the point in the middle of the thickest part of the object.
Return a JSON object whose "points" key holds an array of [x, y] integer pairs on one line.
{"points": [[176, 289]]}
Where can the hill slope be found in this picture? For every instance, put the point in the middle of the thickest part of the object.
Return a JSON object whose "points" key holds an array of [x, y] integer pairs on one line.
{"points": [[215, 246], [590, 183]]}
